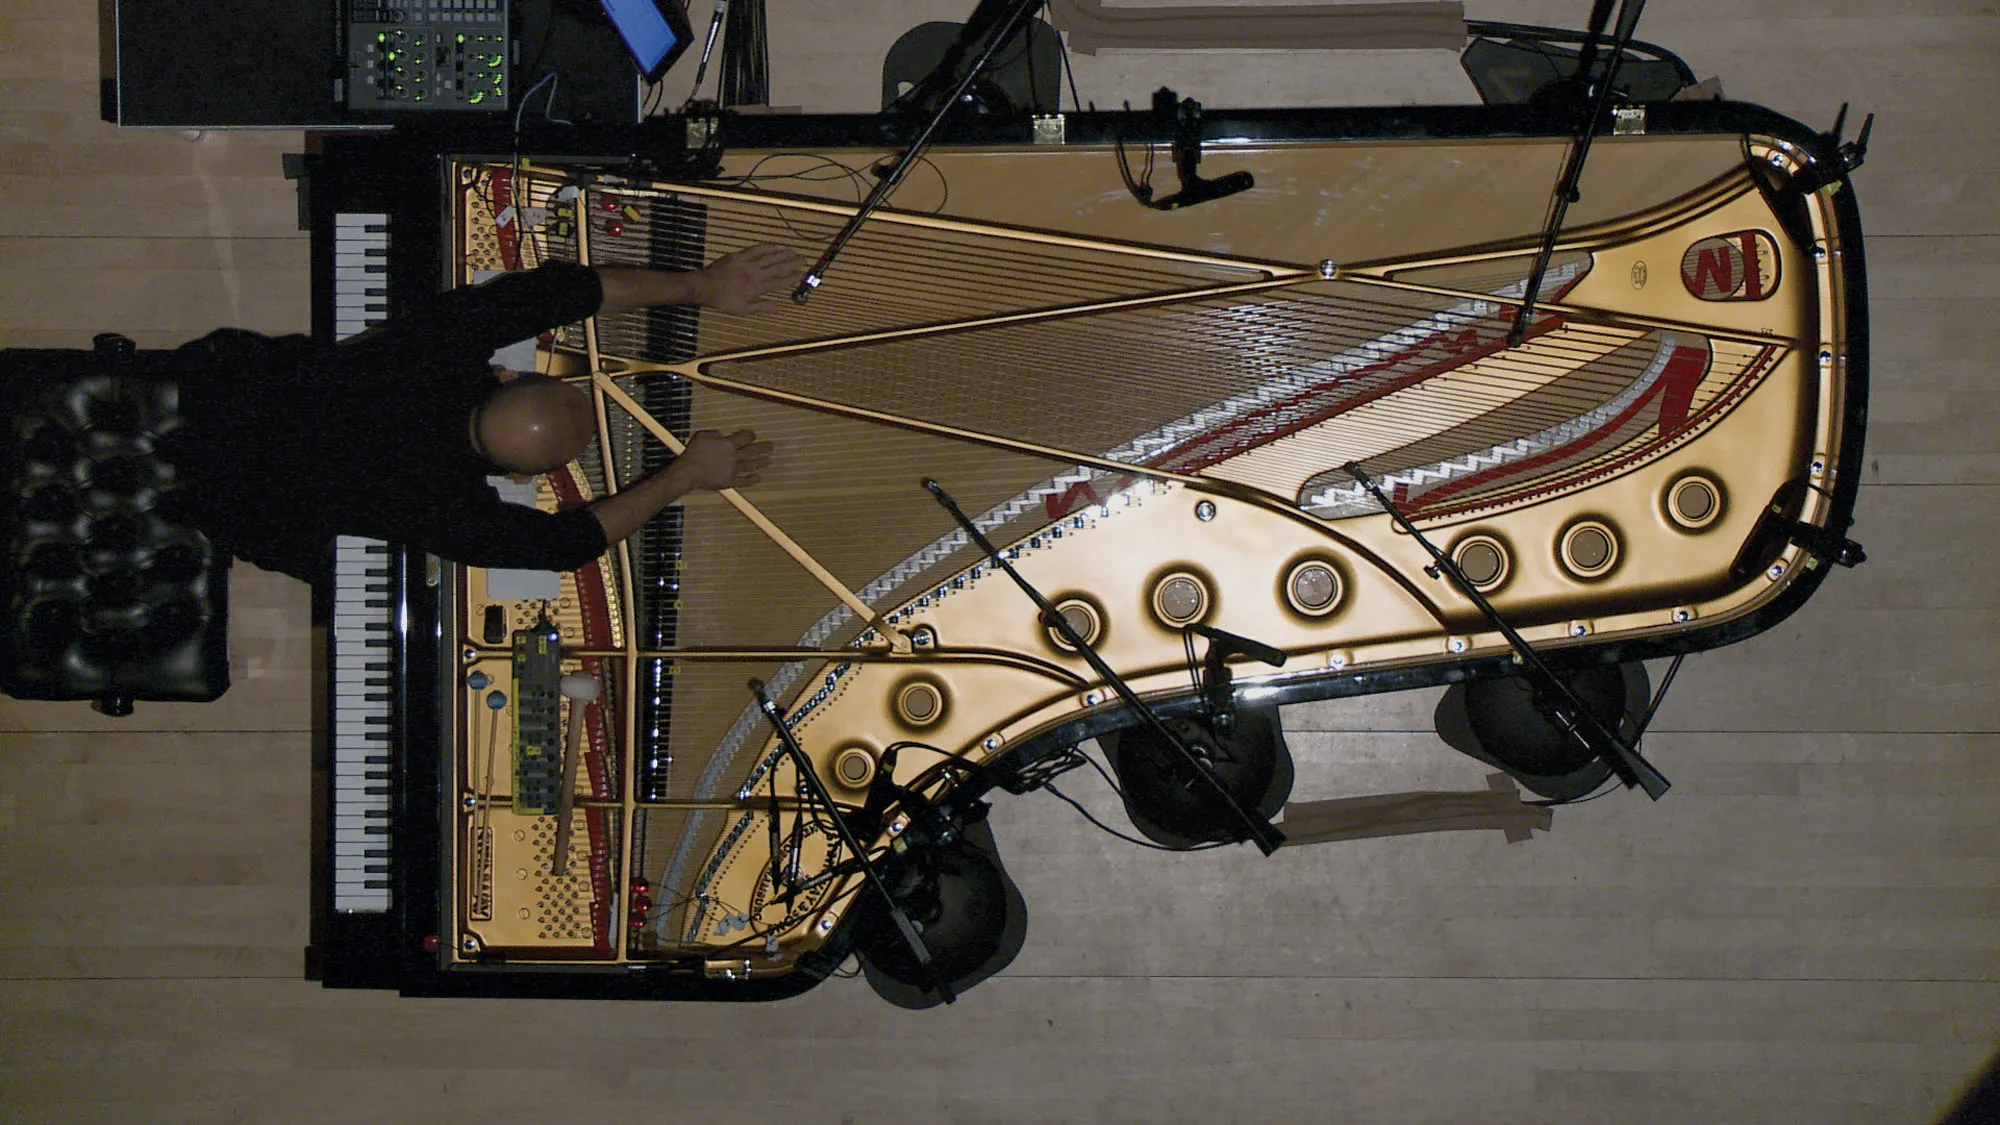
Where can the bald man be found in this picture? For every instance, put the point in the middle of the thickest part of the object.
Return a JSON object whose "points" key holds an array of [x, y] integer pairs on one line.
{"points": [[393, 435]]}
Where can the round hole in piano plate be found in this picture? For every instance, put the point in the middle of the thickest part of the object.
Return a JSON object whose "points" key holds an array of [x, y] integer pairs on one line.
{"points": [[920, 703], [1483, 560], [854, 767], [1589, 549], [1694, 502], [1178, 599], [1314, 588], [1083, 618]]}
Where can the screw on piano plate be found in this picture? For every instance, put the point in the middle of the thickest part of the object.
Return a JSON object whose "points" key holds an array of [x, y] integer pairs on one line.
{"points": [[469, 943], [1826, 357], [896, 828], [1205, 511], [470, 802], [1456, 644], [1818, 466], [923, 637], [1578, 629], [1683, 615], [1329, 269], [992, 742], [1091, 699], [1819, 251], [825, 924], [1777, 571]]}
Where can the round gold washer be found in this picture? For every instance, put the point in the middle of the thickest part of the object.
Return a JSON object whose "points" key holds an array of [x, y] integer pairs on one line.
{"points": [[1314, 588], [920, 704], [1483, 560], [1178, 599], [1589, 549], [1694, 502]]}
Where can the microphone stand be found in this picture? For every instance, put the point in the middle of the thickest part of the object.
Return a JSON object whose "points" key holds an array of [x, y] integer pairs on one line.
{"points": [[1567, 185], [1553, 698], [887, 184], [1265, 835], [803, 765]]}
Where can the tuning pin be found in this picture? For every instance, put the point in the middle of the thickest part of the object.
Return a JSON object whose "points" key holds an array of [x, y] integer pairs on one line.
{"points": [[496, 700], [477, 681]]}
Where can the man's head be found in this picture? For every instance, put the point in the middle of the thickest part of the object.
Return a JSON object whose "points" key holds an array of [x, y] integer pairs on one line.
{"points": [[532, 424]]}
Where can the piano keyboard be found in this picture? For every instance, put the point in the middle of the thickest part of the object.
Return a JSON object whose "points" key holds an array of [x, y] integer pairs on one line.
{"points": [[362, 686], [360, 272], [364, 638]]}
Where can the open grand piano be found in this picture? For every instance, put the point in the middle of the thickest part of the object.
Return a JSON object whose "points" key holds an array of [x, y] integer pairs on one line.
{"points": [[1149, 413]]}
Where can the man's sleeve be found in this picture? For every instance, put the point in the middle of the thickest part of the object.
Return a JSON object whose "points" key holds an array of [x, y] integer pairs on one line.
{"points": [[498, 534], [480, 319]]}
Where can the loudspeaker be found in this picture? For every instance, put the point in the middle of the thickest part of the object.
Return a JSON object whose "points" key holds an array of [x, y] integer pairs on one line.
{"points": [[971, 915], [1172, 806], [1496, 722]]}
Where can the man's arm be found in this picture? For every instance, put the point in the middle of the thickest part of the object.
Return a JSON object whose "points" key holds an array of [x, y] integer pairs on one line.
{"points": [[738, 283], [711, 461]]}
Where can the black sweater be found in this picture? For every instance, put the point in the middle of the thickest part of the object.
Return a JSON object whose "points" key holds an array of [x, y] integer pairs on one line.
{"points": [[291, 442]]}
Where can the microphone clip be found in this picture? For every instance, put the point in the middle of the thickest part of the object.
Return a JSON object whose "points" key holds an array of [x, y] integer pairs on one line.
{"points": [[1185, 116]]}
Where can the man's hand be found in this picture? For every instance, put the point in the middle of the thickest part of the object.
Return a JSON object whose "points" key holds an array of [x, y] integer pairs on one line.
{"points": [[742, 283], [714, 460]]}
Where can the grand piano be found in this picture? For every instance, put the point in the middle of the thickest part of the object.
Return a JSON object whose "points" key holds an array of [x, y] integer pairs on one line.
{"points": [[1207, 438]]}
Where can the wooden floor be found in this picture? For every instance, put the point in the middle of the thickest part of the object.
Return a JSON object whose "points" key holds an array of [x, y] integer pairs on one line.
{"points": [[1806, 930]]}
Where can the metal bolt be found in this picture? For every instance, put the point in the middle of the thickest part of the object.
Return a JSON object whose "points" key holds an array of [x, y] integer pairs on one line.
{"points": [[1777, 570], [1682, 615], [1328, 269], [470, 802], [1205, 511], [1456, 644], [992, 742], [469, 943], [825, 924], [1825, 357], [1818, 466], [1578, 629], [1819, 251], [1777, 159], [896, 829], [1337, 660], [923, 637], [1091, 699]]}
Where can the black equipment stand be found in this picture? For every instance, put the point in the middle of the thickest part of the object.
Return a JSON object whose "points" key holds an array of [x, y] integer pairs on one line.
{"points": [[810, 777], [1572, 175], [1015, 19], [1553, 698]]}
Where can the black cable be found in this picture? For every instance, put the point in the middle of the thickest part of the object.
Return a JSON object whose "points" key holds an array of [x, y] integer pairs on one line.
{"points": [[1071, 802]]}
